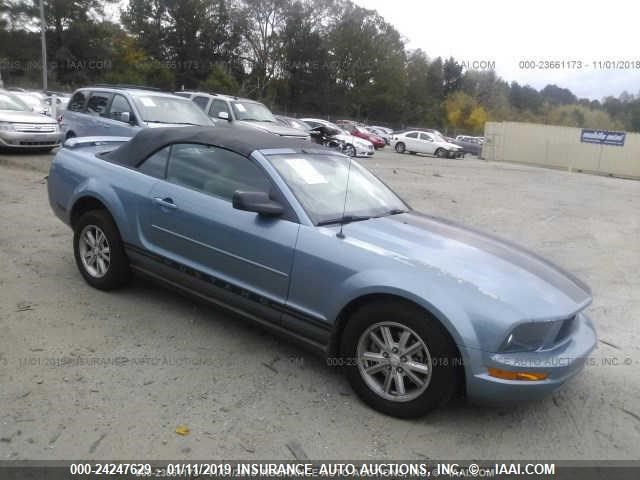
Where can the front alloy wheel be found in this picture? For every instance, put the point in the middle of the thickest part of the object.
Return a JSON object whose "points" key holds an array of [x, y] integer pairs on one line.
{"points": [[350, 151], [399, 359], [442, 153], [394, 361]]}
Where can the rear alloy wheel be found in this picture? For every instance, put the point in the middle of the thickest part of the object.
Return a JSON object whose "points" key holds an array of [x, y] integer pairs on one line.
{"points": [[350, 151], [99, 251], [400, 148], [95, 252], [402, 362]]}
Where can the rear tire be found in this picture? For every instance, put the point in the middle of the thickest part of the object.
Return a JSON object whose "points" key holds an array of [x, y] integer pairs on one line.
{"points": [[99, 251], [426, 364]]}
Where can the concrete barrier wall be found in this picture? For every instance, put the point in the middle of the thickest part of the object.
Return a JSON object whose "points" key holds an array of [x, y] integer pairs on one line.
{"points": [[559, 147]]}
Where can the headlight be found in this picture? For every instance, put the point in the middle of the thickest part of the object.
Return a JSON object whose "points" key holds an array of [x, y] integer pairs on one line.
{"points": [[7, 127], [528, 337]]}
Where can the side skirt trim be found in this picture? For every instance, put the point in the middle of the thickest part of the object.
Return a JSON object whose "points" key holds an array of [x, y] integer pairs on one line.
{"points": [[302, 323]]}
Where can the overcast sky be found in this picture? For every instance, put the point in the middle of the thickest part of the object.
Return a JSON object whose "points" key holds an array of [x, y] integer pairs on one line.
{"points": [[510, 31], [507, 32]]}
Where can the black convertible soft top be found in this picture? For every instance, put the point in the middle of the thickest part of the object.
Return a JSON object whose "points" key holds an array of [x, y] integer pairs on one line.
{"points": [[242, 140]]}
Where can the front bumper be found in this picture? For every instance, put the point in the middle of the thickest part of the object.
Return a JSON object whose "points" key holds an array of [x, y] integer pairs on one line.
{"points": [[29, 139], [365, 152], [561, 364]]}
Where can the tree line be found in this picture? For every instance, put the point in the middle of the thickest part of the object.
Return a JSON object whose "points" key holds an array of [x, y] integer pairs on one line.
{"points": [[330, 58]]}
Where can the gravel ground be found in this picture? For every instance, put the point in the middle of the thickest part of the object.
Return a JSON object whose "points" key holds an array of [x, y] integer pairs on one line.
{"points": [[88, 374]]}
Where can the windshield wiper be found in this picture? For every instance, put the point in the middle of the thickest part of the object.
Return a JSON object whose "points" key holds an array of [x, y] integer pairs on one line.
{"points": [[344, 220], [173, 123], [394, 211], [257, 120]]}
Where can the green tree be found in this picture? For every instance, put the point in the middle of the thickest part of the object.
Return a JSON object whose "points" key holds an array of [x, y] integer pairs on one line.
{"points": [[220, 81]]}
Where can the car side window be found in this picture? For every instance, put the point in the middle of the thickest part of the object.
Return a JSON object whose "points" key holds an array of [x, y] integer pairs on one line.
{"points": [[98, 103], [214, 171], [120, 105], [76, 104], [218, 106], [156, 164], [426, 137], [412, 135], [201, 102]]}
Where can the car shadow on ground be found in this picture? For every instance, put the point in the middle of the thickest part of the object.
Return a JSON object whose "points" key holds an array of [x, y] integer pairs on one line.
{"points": [[224, 327]]}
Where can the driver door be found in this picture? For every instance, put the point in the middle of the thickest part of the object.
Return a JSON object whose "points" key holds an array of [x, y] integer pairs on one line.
{"points": [[241, 258], [412, 142], [427, 144]]}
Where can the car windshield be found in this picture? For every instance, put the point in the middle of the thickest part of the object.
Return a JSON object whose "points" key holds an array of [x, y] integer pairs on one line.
{"points": [[12, 103], [340, 131], [252, 112], [299, 125], [319, 183], [175, 110], [30, 100]]}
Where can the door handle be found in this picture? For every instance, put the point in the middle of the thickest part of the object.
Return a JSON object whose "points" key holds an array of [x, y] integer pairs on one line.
{"points": [[165, 202]]}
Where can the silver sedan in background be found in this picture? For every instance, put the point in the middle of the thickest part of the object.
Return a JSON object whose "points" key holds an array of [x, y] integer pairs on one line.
{"points": [[21, 127]]}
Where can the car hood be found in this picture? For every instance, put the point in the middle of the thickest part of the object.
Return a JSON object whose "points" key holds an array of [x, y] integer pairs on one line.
{"points": [[276, 129], [24, 117], [449, 145], [528, 284], [361, 142]]}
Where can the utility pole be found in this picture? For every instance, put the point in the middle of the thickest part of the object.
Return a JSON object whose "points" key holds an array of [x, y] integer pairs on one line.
{"points": [[43, 36]]}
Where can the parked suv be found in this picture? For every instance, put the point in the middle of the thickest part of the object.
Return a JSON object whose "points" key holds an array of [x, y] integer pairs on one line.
{"points": [[242, 111], [122, 111]]}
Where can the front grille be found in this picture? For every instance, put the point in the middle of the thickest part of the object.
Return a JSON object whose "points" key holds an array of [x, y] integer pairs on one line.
{"points": [[35, 127], [49, 143]]}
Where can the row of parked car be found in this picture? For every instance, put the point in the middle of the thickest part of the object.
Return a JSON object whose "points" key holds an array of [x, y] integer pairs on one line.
{"points": [[121, 110]]}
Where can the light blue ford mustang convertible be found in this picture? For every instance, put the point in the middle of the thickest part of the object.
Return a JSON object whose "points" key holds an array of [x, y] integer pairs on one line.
{"points": [[310, 244]]}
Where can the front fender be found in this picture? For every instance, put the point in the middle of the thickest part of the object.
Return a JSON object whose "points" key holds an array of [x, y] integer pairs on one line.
{"points": [[412, 287]]}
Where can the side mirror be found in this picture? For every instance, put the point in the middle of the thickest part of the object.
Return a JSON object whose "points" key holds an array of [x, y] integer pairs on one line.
{"points": [[258, 202], [223, 115], [125, 117]]}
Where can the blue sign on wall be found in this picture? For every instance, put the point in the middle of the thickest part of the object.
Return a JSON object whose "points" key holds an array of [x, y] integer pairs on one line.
{"points": [[603, 137]]}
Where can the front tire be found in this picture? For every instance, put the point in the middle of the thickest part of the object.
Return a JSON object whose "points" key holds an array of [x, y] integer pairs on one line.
{"points": [[401, 361], [99, 251], [441, 153], [350, 151], [400, 148]]}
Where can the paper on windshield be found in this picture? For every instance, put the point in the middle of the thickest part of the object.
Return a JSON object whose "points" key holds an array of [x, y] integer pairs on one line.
{"points": [[306, 171], [147, 102]]}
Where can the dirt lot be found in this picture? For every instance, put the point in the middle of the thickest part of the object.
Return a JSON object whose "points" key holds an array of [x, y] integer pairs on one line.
{"points": [[87, 374]]}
